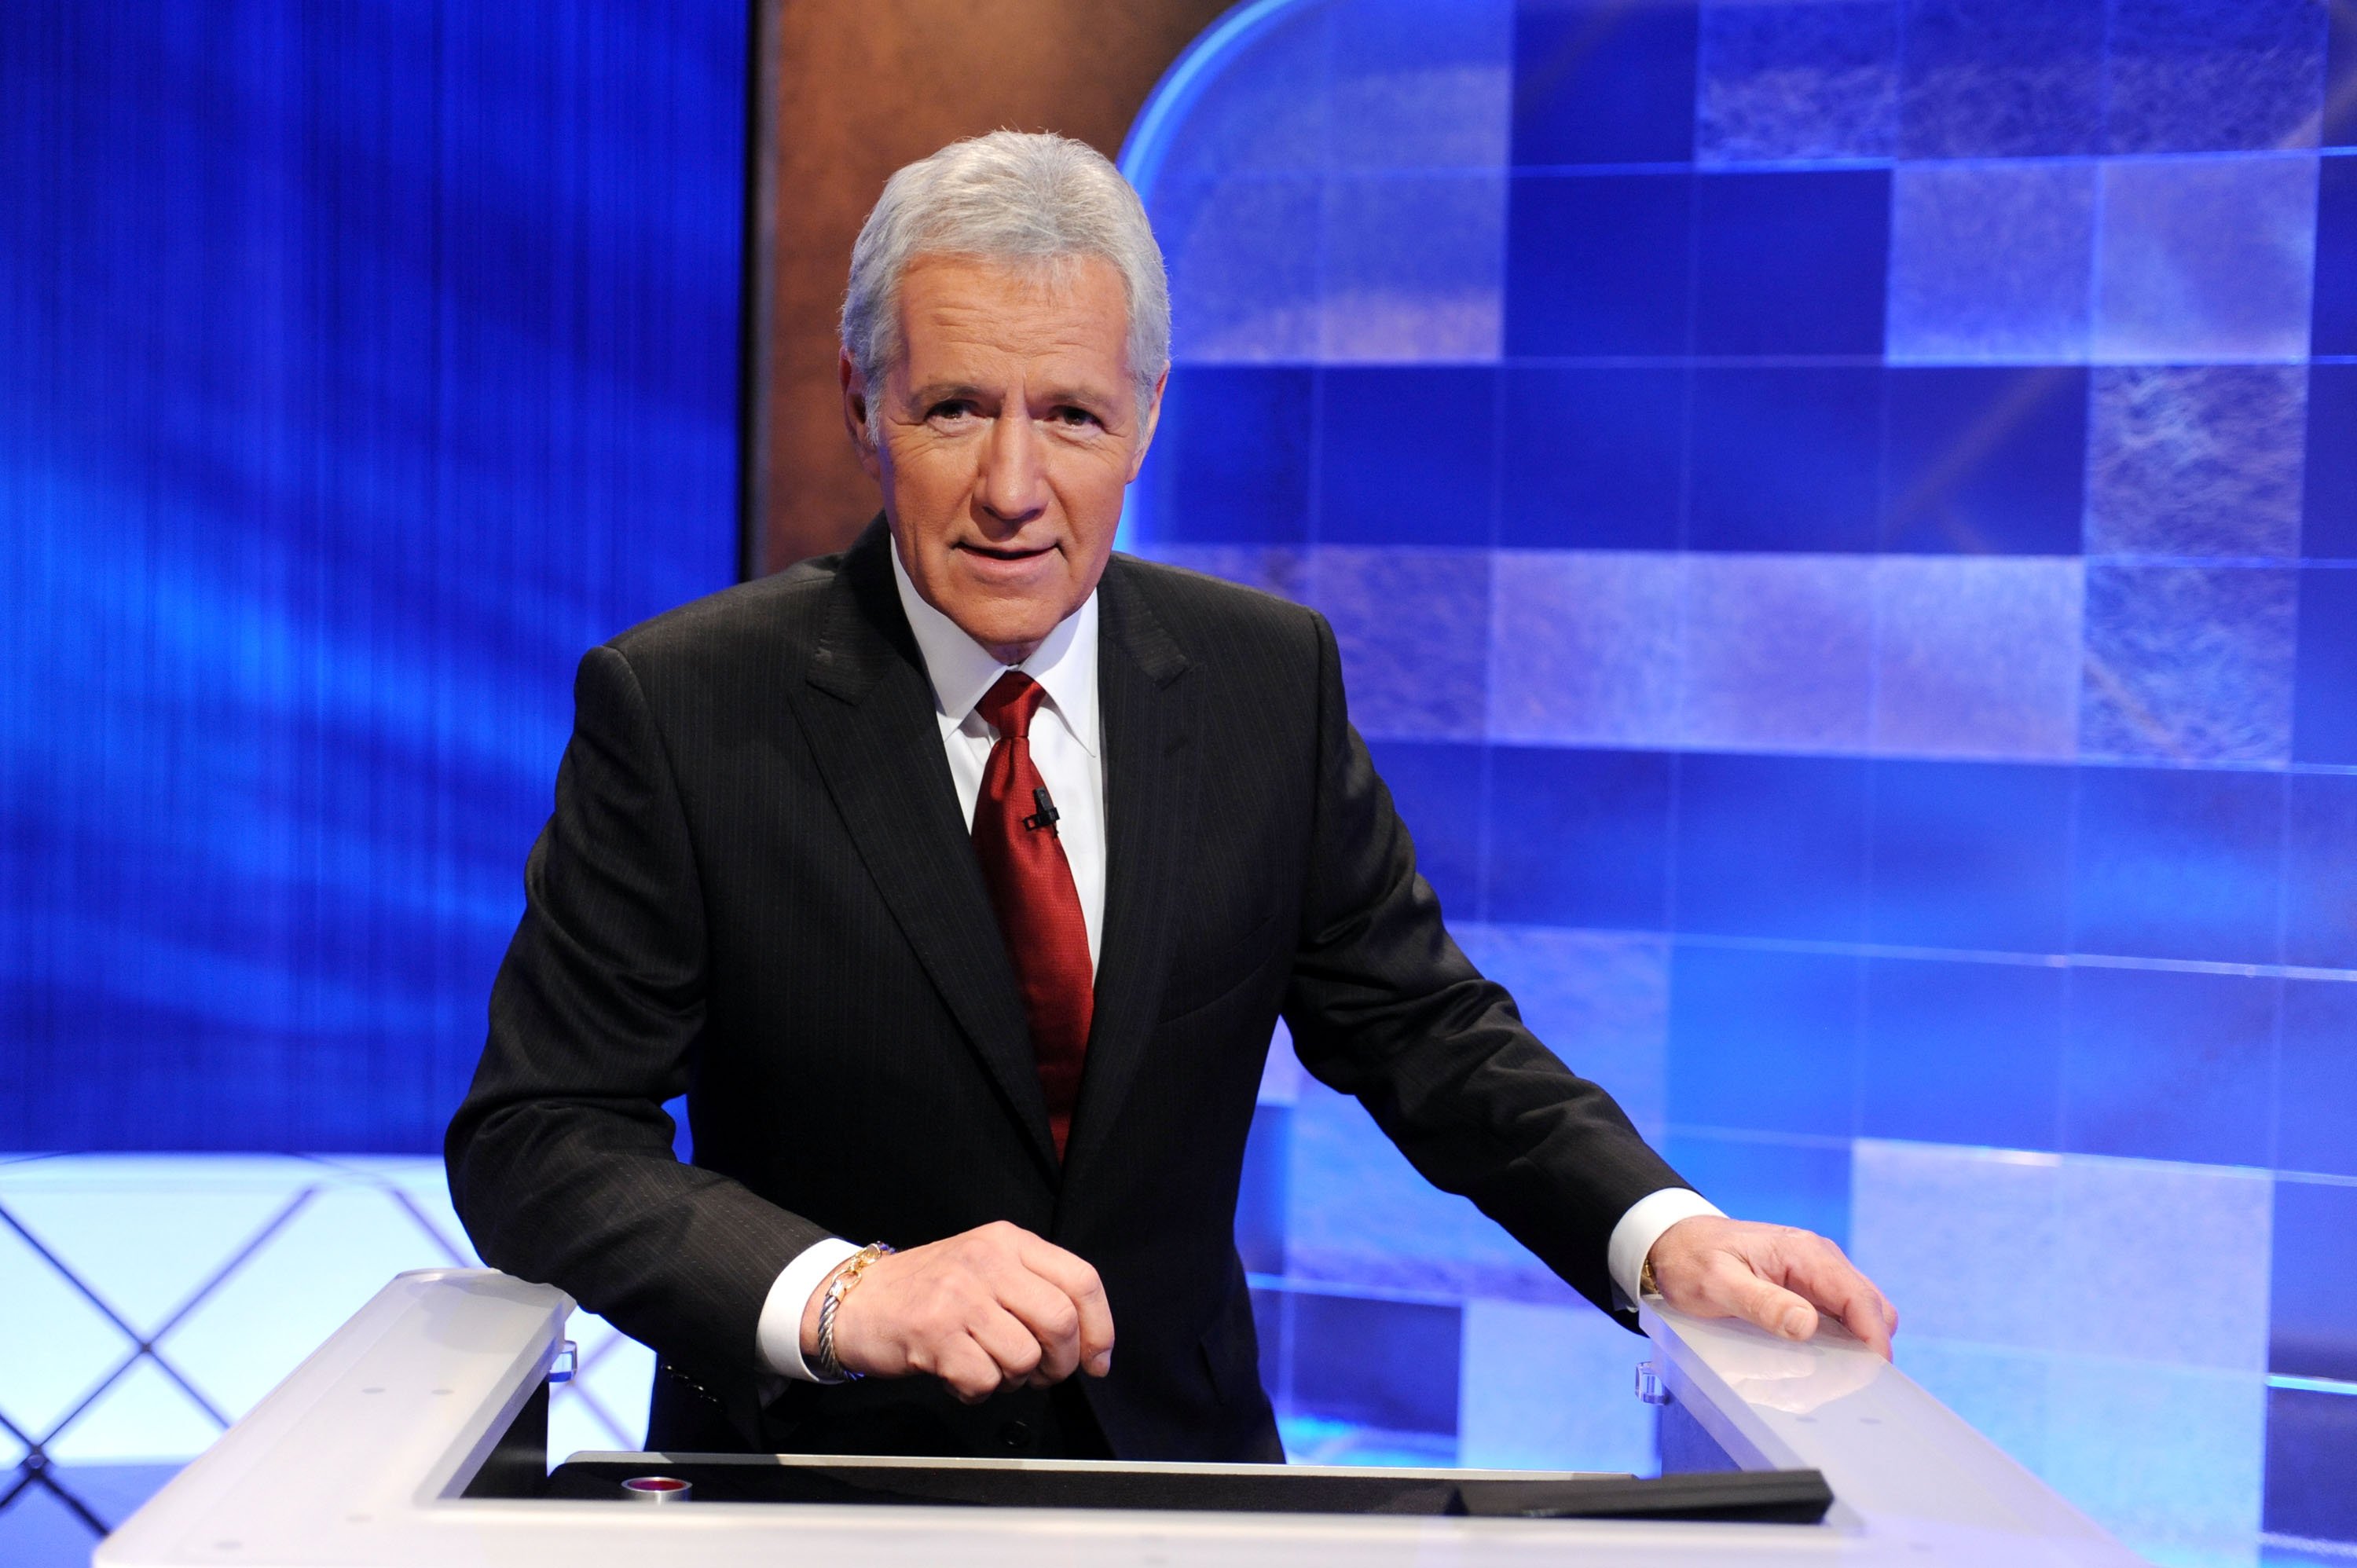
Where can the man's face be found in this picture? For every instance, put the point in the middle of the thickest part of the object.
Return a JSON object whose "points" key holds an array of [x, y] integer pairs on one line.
{"points": [[1010, 429]]}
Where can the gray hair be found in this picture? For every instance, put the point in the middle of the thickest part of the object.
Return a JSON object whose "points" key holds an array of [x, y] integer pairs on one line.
{"points": [[1030, 200]]}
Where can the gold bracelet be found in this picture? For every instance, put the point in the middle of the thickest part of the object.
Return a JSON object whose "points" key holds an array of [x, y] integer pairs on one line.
{"points": [[830, 1370]]}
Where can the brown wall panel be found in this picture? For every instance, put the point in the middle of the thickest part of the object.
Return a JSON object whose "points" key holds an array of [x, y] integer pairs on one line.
{"points": [[848, 91]]}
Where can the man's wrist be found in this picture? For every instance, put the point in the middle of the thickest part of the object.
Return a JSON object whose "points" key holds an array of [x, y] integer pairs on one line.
{"points": [[1631, 1246], [839, 1286], [792, 1296]]}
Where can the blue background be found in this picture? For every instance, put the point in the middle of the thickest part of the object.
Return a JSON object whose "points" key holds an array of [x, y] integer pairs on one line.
{"points": [[1841, 521], [1841, 516], [358, 369]]}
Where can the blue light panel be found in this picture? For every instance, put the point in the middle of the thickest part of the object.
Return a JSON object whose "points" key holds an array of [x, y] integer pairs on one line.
{"points": [[1888, 586]]}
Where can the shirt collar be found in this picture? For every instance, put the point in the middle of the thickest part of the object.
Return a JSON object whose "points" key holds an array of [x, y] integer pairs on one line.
{"points": [[962, 671]]}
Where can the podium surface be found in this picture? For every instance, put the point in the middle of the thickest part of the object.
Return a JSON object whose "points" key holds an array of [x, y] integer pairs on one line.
{"points": [[364, 1457]]}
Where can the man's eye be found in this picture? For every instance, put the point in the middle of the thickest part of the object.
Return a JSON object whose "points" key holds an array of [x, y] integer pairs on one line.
{"points": [[1076, 418], [954, 408]]}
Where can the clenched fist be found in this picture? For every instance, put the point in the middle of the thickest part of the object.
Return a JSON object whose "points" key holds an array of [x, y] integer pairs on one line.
{"points": [[992, 1308]]}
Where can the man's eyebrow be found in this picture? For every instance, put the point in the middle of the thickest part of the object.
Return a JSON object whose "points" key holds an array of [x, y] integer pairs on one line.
{"points": [[947, 392], [1091, 397], [944, 392]]}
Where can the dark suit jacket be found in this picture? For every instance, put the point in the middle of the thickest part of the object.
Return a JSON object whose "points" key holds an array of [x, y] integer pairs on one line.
{"points": [[757, 888]]}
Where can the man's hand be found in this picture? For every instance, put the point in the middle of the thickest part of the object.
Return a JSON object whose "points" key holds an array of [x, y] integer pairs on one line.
{"points": [[992, 1308], [1772, 1275]]}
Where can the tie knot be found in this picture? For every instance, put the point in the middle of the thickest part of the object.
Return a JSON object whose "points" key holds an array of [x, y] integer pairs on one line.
{"points": [[1009, 703]]}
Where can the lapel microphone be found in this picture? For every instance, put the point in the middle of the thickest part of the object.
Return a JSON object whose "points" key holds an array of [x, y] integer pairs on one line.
{"points": [[1046, 816]]}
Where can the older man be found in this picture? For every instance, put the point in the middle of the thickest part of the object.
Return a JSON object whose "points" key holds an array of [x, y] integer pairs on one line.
{"points": [[959, 881]]}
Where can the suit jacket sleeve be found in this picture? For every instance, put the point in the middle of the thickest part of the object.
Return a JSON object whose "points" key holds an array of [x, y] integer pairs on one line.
{"points": [[1383, 1006], [560, 1159]]}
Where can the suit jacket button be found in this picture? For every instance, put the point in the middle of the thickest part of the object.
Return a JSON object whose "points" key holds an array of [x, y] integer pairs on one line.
{"points": [[1016, 1434]]}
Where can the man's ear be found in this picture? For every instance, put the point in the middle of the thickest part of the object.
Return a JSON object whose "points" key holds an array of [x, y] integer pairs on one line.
{"points": [[1151, 422], [854, 415]]}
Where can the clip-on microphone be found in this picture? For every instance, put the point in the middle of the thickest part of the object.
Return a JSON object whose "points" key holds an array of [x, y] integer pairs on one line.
{"points": [[1046, 816]]}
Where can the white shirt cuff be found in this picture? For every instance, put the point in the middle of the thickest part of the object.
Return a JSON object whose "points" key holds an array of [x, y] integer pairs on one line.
{"points": [[780, 1334], [1634, 1238]]}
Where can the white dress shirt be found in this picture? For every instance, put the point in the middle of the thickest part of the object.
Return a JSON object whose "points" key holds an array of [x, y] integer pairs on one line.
{"points": [[1068, 747]]}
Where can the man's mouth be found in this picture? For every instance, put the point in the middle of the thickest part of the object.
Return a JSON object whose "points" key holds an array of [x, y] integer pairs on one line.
{"points": [[1006, 552]]}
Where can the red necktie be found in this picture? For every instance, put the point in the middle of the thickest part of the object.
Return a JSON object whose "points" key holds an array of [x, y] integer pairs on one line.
{"points": [[1031, 887]]}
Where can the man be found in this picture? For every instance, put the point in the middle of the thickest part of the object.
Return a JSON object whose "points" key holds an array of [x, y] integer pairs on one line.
{"points": [[959, 882]]}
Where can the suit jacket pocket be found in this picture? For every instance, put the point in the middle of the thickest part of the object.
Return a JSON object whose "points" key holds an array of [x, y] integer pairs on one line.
{"points": [[1196, 982]]}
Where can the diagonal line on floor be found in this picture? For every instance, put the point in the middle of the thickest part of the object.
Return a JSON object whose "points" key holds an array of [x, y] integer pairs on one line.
{"points": [[16, 1432], [97, 1391], [409, 1206], [220, 1276], [97, 1525], [147, 1346], [605, 1417], [584, 1363], [235, 1262], [71, 1277]]}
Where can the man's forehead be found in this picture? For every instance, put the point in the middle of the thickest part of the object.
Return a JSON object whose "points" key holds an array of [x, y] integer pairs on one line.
{"points": [[956, 308]]}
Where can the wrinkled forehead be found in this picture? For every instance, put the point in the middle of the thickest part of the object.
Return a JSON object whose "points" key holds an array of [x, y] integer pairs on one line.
{"points": [[963, 315]]}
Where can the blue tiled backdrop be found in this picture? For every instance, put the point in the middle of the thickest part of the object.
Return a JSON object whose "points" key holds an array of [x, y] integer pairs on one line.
{"points": [[1840, 517]]}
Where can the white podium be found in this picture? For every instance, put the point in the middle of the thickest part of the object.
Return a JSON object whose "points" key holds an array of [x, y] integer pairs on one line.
{"points": [[364, 1456]]}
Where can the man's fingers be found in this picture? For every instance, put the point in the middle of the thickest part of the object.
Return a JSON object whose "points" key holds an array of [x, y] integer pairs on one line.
{"points": [[1862, 1315], [1080, 1283], [969, 1371], [1870, 1322], [1051, 1316], [1096, 1332], [989, 1308], [1777, 1277], [1016, 1351], [1868, 1316], [1818, 1269], [1756, 1300]]}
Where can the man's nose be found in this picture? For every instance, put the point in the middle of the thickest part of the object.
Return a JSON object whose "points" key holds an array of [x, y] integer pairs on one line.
{"points": [[1014, 487]]}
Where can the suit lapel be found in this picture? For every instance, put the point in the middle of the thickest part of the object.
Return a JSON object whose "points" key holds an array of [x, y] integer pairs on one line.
{"points": [[1150, 790], [870, 719]]}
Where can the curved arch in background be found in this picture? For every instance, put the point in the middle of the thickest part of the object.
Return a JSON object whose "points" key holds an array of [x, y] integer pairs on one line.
{"points": [[1328, 178], [1795, 587], [1165, 108]]}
